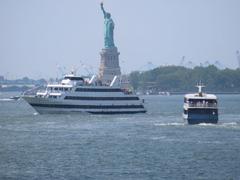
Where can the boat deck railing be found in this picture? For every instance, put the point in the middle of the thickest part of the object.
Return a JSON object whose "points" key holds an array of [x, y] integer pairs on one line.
{"points": [[207, 105], [33, 91]]}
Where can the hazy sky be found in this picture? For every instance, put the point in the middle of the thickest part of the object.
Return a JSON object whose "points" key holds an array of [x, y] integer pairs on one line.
{"points": [[40, 37]]}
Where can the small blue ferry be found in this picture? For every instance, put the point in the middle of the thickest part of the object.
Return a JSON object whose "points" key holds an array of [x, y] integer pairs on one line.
{"points": [[200, 107]]}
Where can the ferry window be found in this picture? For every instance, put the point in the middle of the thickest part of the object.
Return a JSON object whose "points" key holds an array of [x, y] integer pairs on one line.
{"points": [[56, 89], [65, 89], [74, 78], [60, 89], [79, 83], [201, 111]]}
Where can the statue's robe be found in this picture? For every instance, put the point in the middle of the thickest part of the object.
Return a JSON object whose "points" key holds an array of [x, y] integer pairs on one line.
{"points": [[108, 33]]}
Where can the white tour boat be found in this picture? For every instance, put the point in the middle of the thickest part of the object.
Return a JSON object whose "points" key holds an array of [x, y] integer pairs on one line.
{"points": [[78, 94]]}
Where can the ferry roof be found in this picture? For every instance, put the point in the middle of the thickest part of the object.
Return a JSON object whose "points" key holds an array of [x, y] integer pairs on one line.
{"points": [[204, 96]]}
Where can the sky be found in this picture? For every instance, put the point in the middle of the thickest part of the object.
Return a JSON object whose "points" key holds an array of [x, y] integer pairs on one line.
{"points": [[47, 38]]}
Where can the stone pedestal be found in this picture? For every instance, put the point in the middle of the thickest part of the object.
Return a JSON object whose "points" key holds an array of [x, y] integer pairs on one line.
{"points": [[109, 65]]}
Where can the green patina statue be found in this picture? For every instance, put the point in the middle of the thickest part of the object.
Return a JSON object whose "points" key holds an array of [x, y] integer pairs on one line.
{"points": [[108, 29]]}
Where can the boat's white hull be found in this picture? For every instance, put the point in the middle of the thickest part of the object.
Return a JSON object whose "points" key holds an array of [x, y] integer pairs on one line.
{"points": [[52, 106], [44, 110]]}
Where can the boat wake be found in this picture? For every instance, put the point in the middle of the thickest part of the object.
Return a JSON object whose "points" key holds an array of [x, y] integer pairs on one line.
{"points": [[230, 125], [225, 125], [207, 124], [159, 138], [6, 99], [169, 124]]}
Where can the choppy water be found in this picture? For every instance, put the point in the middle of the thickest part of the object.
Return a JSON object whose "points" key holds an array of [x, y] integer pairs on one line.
{"points": [[156, 145]]}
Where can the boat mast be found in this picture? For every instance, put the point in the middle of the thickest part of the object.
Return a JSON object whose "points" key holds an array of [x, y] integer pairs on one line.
{"points": [[200, 86]]}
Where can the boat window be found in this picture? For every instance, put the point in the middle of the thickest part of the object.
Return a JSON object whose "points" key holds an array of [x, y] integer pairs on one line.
{"points": [[56, 89], [74, 78], [101, 98], [79, 83], [98, 90], [65, 89], [202, 101], [52, 96], [203, 111], [185, 100], [60, 89]]}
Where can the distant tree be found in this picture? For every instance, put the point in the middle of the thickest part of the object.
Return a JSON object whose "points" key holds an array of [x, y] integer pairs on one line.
{"points": [[178, 78]]}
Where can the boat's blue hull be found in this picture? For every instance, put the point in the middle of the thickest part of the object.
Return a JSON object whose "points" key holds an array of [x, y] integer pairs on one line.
{"points": [[202, 116]]}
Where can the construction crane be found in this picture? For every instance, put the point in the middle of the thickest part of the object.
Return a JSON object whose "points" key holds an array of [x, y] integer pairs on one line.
{"points": [[88, 68], [218, 65], [238, 58], [182, 62], [148, 66], [206, 64], [190, 64]]}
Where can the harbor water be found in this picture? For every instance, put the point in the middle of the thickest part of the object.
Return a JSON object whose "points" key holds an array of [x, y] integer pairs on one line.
{"points": [[155, 145]]}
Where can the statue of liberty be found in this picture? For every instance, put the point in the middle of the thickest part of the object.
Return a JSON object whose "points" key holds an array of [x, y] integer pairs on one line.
{"points": [[108, 29]]}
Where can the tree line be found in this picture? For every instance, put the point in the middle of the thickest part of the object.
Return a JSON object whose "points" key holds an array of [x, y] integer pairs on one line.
{"points": [[182, 79]]}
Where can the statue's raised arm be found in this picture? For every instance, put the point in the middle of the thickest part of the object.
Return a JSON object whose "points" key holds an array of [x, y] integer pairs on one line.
{"points": [[104, 12]]}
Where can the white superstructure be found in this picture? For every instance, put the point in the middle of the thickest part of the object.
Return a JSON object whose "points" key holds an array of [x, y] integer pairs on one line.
{"points": [[78, 94]]}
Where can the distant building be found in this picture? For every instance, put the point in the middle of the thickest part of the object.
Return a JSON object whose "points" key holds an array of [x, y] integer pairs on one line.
{"points": [[1, 78]]}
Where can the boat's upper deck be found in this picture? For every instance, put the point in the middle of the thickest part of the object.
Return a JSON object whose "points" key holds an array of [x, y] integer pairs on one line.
{"points": [[200, 100], [203, 96], [85, 86]]}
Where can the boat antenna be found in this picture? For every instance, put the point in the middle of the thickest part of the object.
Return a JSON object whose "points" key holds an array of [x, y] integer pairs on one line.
{"points": [[200, 86], [73, 71]]}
